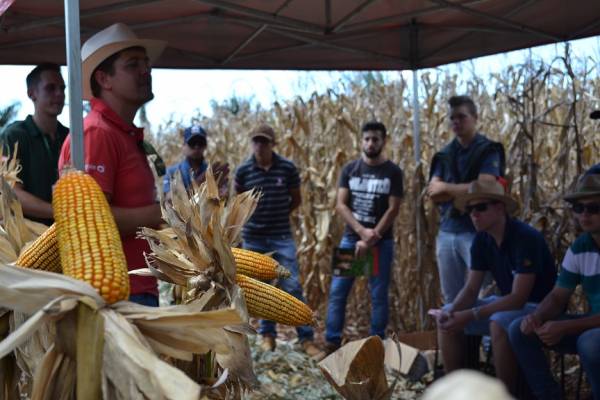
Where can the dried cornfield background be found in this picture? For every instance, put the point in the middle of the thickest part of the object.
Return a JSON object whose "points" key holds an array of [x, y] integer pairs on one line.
{"points": [[538, 110]]}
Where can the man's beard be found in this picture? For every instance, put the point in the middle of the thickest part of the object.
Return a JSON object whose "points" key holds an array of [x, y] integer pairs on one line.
{"points": [[373, 154]]}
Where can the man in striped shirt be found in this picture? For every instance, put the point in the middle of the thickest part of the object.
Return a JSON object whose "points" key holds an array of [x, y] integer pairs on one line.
{"points": [[268, 230], [547, 325]]}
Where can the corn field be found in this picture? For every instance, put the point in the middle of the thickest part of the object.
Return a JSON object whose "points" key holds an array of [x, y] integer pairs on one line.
{"points": [[538, 110]]}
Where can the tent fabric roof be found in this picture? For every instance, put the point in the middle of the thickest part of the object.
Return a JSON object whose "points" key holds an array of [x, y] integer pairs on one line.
{"points": [[304, 34]]}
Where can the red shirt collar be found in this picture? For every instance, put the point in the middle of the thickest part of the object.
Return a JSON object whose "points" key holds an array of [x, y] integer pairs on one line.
{"points": [[103, 109]]}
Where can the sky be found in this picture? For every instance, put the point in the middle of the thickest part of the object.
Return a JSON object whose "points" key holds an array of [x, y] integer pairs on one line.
{"points": [[181, 95]]}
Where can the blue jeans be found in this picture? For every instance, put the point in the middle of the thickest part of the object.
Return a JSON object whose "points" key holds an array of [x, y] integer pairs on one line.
{"points": [[453, 252], [284, 250], [145, 299], [533, 362], [481, 327], [378, 286]]}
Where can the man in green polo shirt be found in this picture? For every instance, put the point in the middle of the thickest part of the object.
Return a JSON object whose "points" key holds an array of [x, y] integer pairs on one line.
{"points": [[40, 137]]}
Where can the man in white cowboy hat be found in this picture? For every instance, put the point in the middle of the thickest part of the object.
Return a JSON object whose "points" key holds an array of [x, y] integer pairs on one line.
{"points": [[521, 264], [547, 325], [117, 82]]}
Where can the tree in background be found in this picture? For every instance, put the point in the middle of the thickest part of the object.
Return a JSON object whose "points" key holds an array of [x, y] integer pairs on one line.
{"points": [[8, 114]]}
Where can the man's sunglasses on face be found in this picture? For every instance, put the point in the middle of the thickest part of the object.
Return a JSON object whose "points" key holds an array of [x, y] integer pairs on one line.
{"points": [[479, 207], [590, 208], [196, 143], [261, 140]]}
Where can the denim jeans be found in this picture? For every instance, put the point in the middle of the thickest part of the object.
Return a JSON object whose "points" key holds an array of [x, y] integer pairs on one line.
{"points": [[145, 299], [378, 286], [481, 327], [284, 249], [533, 362], [453, 252]]}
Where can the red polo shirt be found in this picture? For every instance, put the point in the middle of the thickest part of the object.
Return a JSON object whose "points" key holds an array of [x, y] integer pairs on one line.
{"points": [[114, 158]]}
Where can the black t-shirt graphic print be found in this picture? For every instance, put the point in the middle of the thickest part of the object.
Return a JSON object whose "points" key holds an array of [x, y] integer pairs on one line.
{"points": [[370, 188]]}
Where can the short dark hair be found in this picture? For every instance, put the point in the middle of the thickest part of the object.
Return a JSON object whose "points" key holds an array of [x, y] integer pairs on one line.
{"points": [[457, 101], [107, 66], [374, 126], [35, 76]]}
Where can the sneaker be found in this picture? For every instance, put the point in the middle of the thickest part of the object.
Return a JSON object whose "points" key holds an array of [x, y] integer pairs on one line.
{"points": [[311, 350], [268, 343]]}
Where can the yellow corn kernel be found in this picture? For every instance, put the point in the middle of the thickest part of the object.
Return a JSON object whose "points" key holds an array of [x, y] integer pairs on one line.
{"points": [[88, 239], [268, 302], [42, 254], [258, 266]]}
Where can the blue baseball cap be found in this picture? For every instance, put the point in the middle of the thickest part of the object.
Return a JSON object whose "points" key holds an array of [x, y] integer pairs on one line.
{"points": [[192, 132]]}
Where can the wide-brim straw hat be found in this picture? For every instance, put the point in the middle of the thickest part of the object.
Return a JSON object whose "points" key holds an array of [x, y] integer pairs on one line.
{"points": [[588, 186], [109, 41], [488, 190]]}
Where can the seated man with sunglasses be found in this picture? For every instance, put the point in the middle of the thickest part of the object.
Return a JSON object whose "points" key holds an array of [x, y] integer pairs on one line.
{"points": [[548, 324], [521, 264]]}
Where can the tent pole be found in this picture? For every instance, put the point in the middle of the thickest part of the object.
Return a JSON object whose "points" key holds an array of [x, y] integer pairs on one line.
{"points": [[73, 40], [416, 117]]}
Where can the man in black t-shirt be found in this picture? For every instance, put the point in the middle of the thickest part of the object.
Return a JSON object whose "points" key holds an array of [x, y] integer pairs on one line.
{"points": [[368, 200]]}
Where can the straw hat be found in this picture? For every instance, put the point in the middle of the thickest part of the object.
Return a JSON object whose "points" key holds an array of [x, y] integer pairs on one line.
{"points": [[109, 41], [486, 189], [588, 186]]}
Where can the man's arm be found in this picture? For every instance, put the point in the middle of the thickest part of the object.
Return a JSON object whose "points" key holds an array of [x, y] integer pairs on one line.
{"points": [[553, 305], [468, 294], [296, 198], [343, 198], [389, 216], [440, 191], [130, 220], [516, 299], [32, 205]]}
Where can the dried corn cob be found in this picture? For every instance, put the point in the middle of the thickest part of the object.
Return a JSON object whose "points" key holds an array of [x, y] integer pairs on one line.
{"points": [[88, 240], [258, 266], [42, 253], [268, 302]]}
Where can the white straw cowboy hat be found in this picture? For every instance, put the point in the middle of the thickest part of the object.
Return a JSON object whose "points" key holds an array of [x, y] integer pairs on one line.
{"points": [[109, 41], [489, 190], [588, 186]]}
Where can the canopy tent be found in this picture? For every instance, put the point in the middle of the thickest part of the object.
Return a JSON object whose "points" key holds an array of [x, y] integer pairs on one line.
{"points": [[305, 34], [294, 34]]}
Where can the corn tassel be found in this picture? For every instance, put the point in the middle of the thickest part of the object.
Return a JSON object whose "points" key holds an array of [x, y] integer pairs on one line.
{"points": [[42, 254], [268, 302], [258, 266], [89, 243]]}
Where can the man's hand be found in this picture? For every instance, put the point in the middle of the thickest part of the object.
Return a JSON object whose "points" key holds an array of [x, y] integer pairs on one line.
{"points": [[369, 236], [221, 174], [530, 323], [361, 249], [456, 321], [551, 332], [438, 191]]}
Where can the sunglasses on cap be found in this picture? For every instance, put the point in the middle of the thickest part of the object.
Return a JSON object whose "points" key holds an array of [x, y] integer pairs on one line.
{"points": [[590, 208], [149, 150], [479, 207]]}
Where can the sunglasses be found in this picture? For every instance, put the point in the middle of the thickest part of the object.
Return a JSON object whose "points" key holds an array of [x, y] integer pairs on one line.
{"points": [[590, 208], [261, 139], [479, 207], [149, 150], [196, 143]]}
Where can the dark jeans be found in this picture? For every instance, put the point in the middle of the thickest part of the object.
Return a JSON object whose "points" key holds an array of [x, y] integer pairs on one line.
{"points": [[145, 299], [285, 254], [378, 286], [533, 362]]}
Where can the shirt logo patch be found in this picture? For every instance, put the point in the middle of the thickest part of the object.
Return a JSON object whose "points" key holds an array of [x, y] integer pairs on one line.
{"points": [[91, 167], [279, 182], [527, 262]]}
